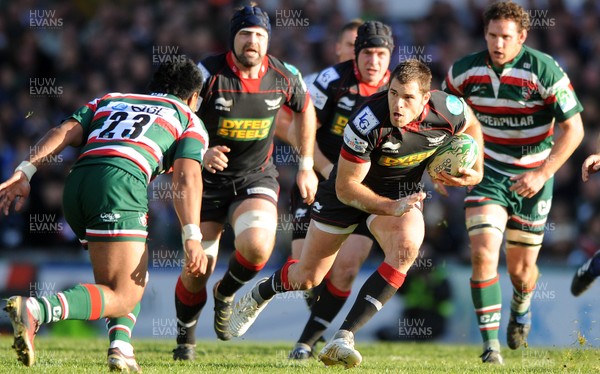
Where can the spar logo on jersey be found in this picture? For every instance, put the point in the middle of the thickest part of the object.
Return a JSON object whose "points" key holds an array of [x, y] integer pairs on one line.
{"points": [[338, 125], [318, 97], [365, 121], [354, 142], [244, 129], [405, 161]]}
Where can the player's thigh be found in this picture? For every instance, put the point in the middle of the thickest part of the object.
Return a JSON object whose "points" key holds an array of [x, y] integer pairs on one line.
{"points": [[321, 246], [399, 237], [525, 228], [485, 226]]}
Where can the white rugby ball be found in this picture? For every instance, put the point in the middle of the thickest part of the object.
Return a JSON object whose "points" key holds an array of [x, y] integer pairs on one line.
{"points": [[461, 151]]}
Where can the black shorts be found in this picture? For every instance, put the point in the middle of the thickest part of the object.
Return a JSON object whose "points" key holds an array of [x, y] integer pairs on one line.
{"points": [[301, 215], [221, 193], [329, 210]]}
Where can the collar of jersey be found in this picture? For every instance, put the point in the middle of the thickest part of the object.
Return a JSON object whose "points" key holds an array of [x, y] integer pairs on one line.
{"points": [[263, 68]]}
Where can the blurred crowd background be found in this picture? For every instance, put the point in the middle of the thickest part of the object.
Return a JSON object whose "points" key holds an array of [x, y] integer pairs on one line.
{"points": [[57, 55]]}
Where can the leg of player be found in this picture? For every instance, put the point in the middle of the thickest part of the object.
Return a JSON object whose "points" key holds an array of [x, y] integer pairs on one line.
{"points": [[522, 249], [120, 270], [333, 295], [318, 255], [254, 223], [485, 225], [190, 294], [585, 275], [400, 239]]}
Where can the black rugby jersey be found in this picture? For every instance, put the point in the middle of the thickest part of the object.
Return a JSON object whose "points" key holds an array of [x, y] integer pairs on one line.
{"points": [[336, 92], [399, 156], [239, 112]]}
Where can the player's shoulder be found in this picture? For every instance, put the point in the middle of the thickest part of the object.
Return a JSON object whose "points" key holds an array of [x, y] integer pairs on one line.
{"points": [[283, 68], [373, 114], [212, 64], [541, 64], [333, 73], [469, 61], [448, 107]]}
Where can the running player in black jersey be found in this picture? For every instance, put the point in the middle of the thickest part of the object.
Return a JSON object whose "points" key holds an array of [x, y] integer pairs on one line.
{"points": [[243, 90], [387, 144], [337, 91]]}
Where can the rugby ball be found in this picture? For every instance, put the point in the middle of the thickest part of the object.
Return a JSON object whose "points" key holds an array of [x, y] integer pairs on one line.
{"points": [[461, 151]]}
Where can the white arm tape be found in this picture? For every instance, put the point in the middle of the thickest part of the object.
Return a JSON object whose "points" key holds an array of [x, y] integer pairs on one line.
{"points": [[191, 232], [27, 168], [306, 163]]}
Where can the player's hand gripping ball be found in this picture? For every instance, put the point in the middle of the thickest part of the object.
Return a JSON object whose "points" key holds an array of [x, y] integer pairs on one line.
{"points": [[461, 151]]}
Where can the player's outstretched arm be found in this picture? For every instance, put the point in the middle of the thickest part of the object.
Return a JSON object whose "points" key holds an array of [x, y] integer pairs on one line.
{"points": [[17, 186], [187, 183], [305, 123]]}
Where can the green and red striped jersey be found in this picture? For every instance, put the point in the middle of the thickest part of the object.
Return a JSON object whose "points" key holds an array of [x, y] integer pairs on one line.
{"points": [[516, 105], [141, 134]]}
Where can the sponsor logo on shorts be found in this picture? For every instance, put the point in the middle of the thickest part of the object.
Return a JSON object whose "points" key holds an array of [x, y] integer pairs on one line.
{"points": [[317, 207], [300, 213], [110, 217]]}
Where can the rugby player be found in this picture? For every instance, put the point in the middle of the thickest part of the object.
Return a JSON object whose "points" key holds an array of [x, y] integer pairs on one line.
{"points": [[387, 144], [126, 139], [244, 88], [336, 92], [518, 94]]}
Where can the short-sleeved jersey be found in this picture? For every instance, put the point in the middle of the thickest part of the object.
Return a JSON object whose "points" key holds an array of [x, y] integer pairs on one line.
{"points": [[336, 92], [239, 113], [517, 106], [398, 156], [141, 134]]}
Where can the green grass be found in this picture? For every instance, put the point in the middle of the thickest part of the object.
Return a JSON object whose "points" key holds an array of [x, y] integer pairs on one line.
{"points": [[88, 355]]}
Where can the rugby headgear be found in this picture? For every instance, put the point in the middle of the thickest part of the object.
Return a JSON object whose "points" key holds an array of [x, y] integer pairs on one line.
{"points": [[248, 16], [373, 34]]}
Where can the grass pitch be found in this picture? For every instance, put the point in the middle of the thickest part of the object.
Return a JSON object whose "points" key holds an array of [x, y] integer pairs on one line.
{"points": [[88, 355]]}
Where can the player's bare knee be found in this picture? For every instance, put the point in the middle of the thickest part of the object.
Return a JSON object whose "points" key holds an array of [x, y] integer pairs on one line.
{"points": [[483, 258]]}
